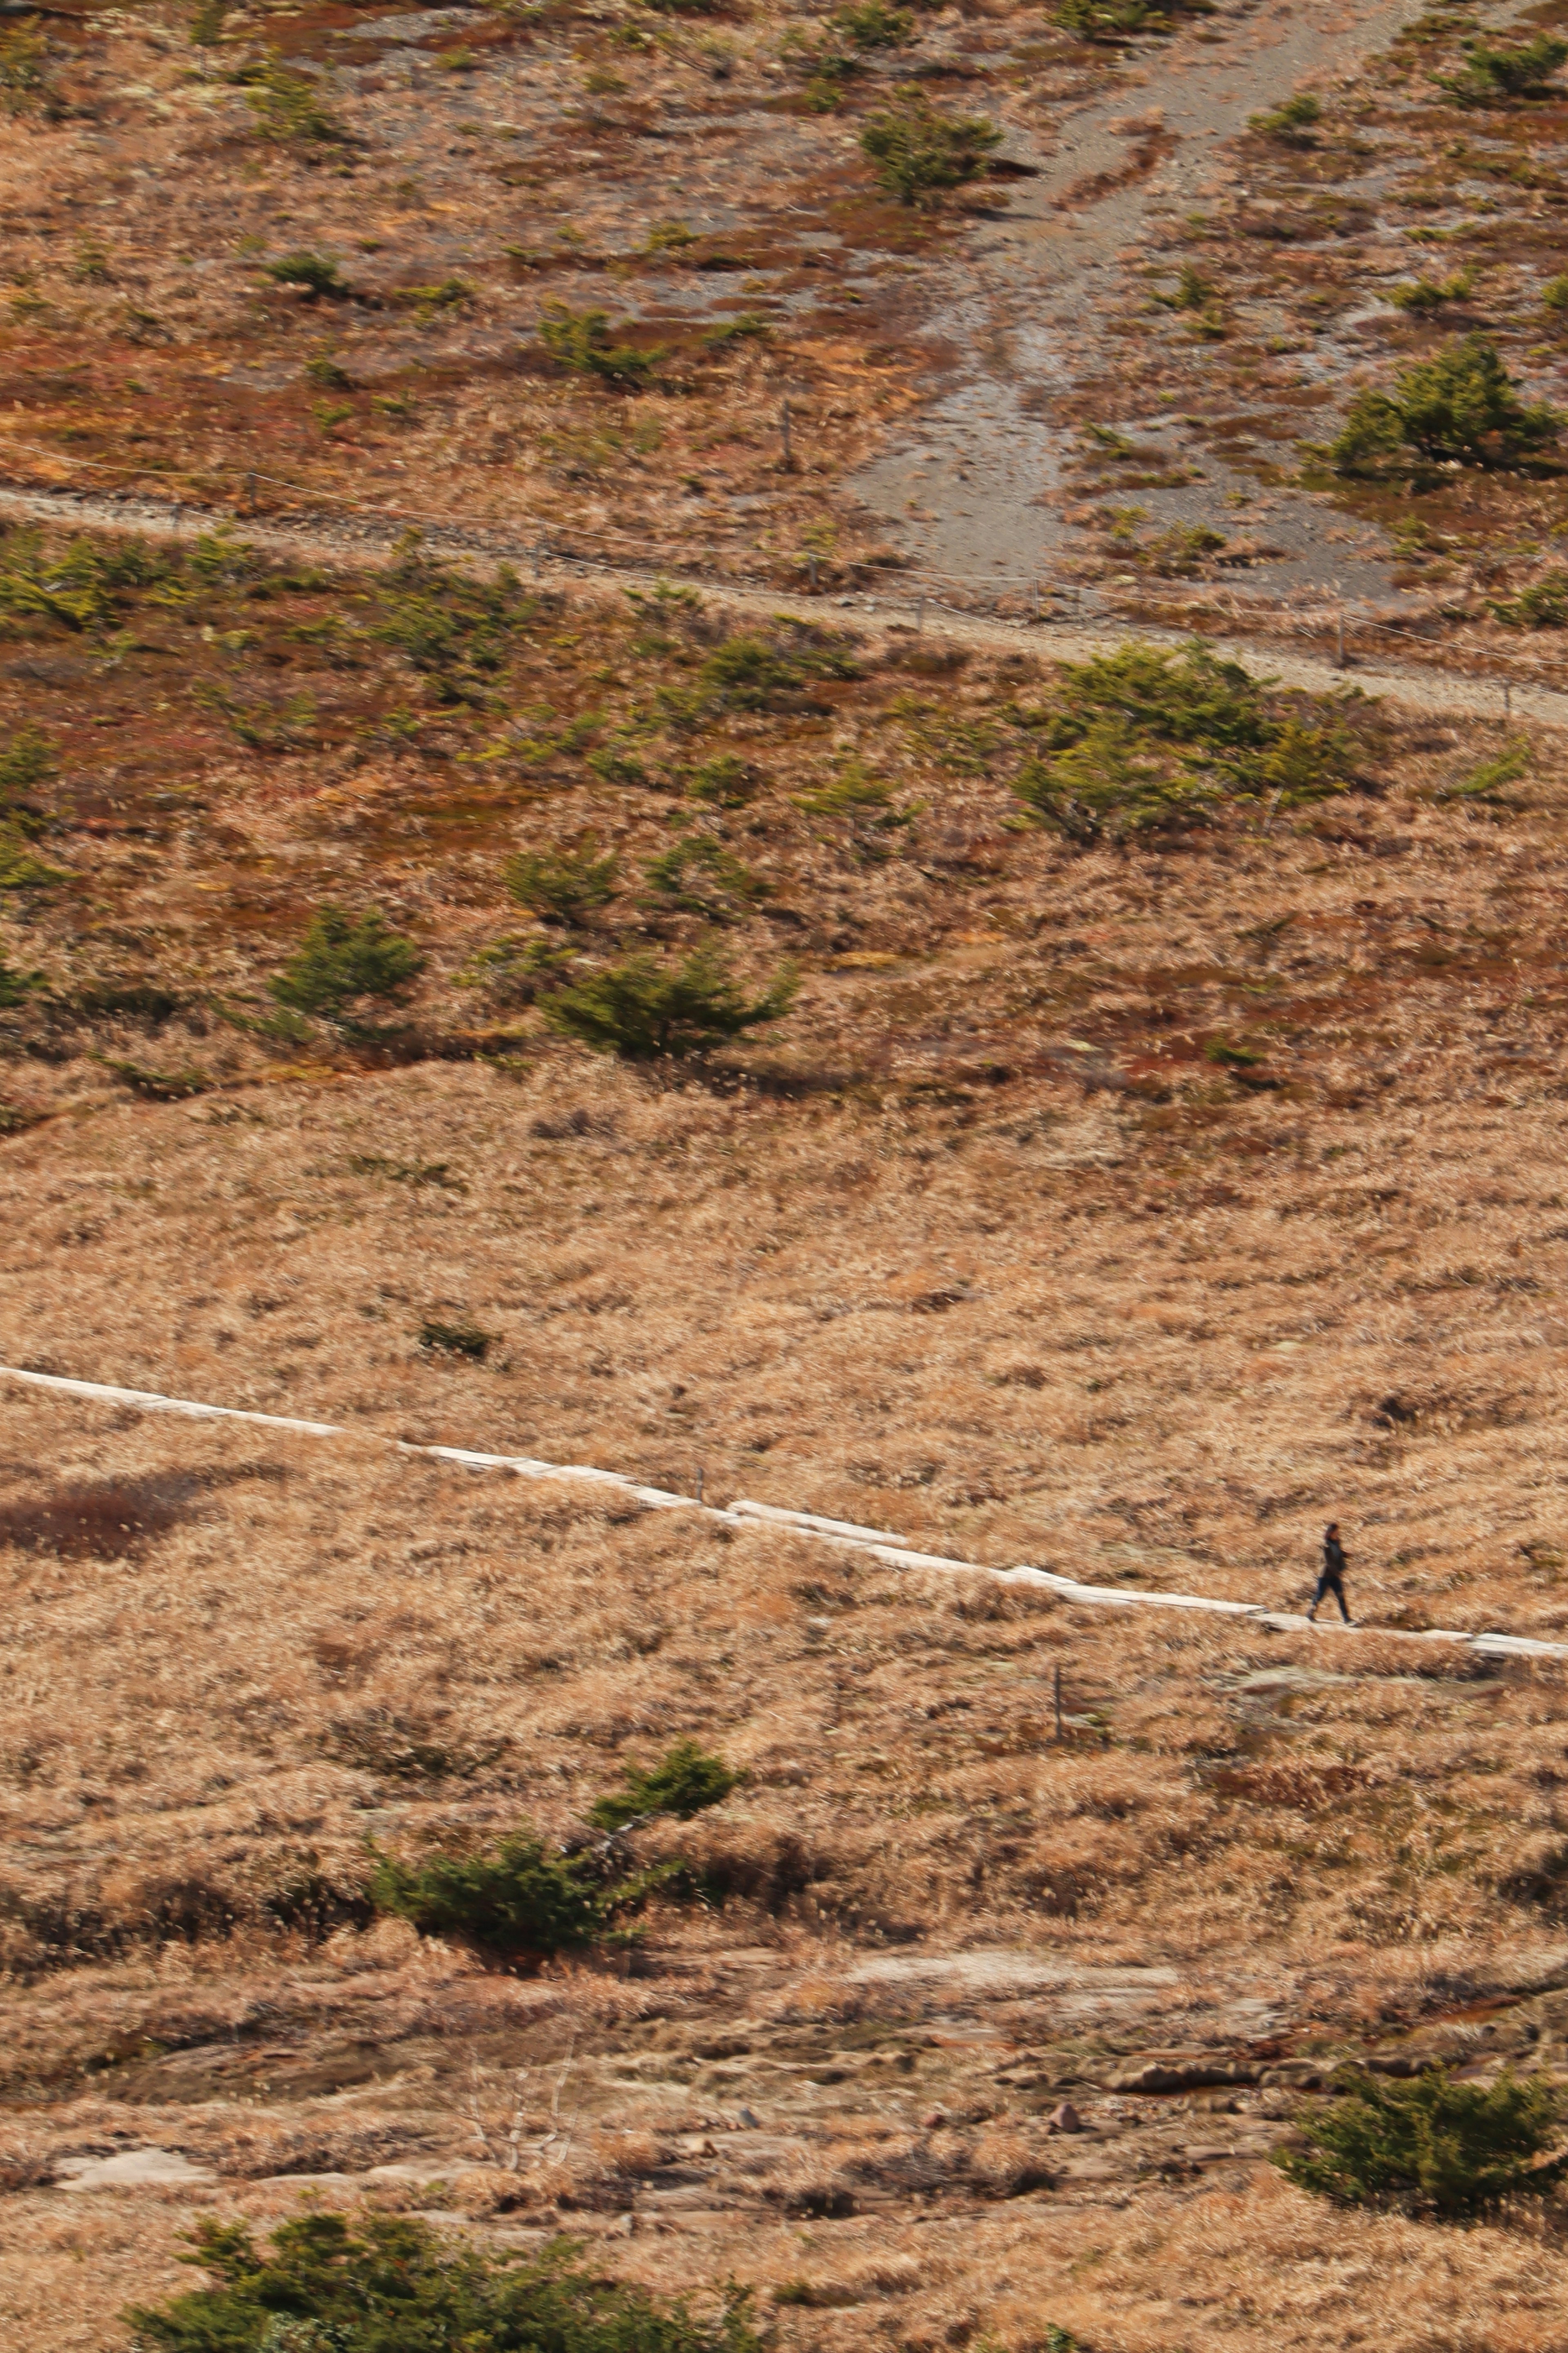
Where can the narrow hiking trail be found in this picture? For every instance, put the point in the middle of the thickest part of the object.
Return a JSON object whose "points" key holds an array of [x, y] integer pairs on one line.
{"points": [[361, 539], [844, 1535]]}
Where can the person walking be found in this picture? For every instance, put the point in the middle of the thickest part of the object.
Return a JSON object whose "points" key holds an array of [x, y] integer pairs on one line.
{"points": [[1331, 1579]]}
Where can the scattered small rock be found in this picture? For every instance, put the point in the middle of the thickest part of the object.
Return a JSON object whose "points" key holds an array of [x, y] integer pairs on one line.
{"points": [[1065, 2119]]}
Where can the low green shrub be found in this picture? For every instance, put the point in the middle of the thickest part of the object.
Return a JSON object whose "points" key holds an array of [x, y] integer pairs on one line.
{"points": [[386, 2284], [516, 1896], [76, 585], [585, 341], [1194, 292], [697, 873], [27, 760], [16, 987], [287, 105], [1554, 295], [315, 273], [23, 71], [1430, 293], [1491, 777], [754, 673], [1110, 784], [687, 1780], [428, 302], [1429, 2145], [1461, 406], [643, 1010], [1192, 697], [562, 885], [1290, 120], [456, 631], [1492, 75], [746, 326], [1142, 740], [864, 804], [341, 962], [726, 780], [1542, 606], [917, 151], [872, 24]]}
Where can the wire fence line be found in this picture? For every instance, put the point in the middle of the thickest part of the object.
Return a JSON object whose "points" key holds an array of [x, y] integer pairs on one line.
{"points": [[844, 1535], [619, 552]]}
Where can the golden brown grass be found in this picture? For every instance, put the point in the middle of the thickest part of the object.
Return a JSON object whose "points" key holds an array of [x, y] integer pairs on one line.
{"points": [[203, 1729], [662, 168]]}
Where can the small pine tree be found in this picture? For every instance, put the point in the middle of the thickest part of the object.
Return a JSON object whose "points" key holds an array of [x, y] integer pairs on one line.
{"points": [[311, 271], [585, 341], [1492, 75], [365, 2283], [1290, 121], [1460, 406], [917, 150], [1429, 2146], [562, 885], [340, 961], [687, 1780], [519, 1895], [643, 1010]]}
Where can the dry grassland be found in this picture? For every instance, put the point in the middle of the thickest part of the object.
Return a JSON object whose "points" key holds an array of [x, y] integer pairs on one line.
{"points": [[1026, 1325], [927, 1920], [688, 172], [1127, 1209]]}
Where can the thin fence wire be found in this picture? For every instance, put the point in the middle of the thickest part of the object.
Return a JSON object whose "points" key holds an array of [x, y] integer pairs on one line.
{"points": [[1342, 623]]}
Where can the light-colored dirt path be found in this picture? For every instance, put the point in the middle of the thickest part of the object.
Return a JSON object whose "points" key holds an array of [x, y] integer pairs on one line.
{"points": [[881, 1543], [1037, 306], [365, 539]]}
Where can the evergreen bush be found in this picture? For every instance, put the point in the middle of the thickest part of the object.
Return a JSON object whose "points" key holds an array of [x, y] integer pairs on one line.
{"points": [[388, 2283], [315, 273], [517, 1897], [562, 885], [644, 1010], [1460, 406], [340, 960], [585, 343], [1492, 75], [687, 1780], [916, 151], [1429, 2145]]}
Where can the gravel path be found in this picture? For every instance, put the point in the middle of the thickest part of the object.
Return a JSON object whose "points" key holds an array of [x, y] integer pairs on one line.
{"points": [[359, 540]]}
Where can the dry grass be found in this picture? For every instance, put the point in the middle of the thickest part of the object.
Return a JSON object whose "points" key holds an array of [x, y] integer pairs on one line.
{"points": [[1130, 1211], [776, 2086], [662, 168]]}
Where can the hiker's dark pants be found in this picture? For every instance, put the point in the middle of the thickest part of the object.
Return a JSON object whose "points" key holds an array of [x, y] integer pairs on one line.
{"points": [[1329, 1583]]}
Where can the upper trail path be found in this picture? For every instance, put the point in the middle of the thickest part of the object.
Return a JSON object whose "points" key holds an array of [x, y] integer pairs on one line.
{"points": [[362, 538], [880, 1544]]}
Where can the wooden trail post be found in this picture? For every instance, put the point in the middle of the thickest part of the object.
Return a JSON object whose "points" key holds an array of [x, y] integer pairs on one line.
{"points": [[1057, 1695]]}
